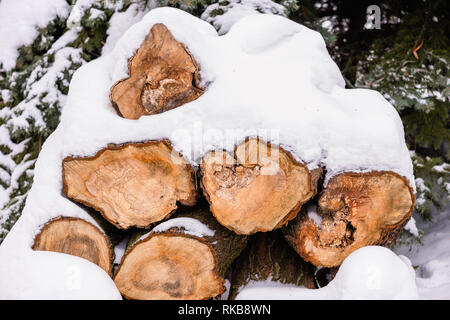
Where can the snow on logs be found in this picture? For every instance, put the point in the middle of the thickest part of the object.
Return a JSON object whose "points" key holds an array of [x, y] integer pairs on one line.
{"points": [[133, 184], [259, 188], [76, 237], [183, 258], [354, 210], [163, 76]]}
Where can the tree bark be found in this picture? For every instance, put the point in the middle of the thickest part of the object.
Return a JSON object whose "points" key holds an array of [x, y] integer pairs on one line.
{"points": [[355, 210], [185, 257], [269, 256], [133, 184], [76, 237], [163, 76], [259, 188]]}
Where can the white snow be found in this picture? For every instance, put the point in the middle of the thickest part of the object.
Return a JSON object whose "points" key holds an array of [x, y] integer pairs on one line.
{"points": [[119, 250], [5, 95], [313, 215], [19, 23], [79, 8], [268, 74], [190, 226], [375, 273], [235, 10], [411, 227], [445, 167], [368, 273], [224, 296], [119, 23], [432, 259], [95, 13], [422, 189]]}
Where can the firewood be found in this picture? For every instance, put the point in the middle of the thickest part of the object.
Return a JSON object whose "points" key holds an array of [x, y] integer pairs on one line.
{"points": [[76, 237], [134, 184], [183, 258], [163, 76], [260, 188], [354, 210], [269, 257]]}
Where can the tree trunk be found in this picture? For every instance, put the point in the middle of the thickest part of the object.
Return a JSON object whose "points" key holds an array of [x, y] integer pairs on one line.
{"points": [[355, 210], [260, 188], [76, 237], [269, 256], [133, 184], [183, 258], [163, 76]]}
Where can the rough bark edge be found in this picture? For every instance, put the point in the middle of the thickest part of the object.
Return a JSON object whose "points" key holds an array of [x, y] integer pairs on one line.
{"points": [[389, 234], [121, 146]]}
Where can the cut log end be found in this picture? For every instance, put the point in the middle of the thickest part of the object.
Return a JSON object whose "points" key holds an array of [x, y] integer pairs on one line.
{"points": [[355, 210], [260, 188], [132, 184], [169, 266], [163, 76], [78, 238]]}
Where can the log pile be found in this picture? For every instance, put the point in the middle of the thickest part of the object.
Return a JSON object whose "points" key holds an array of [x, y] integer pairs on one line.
{"points": [[190, 227]]}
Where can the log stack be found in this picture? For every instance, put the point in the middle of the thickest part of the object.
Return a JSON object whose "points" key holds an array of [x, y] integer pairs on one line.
{"points": [[190, 226]]}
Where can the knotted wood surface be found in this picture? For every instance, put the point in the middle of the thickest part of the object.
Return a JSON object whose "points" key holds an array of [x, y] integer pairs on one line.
{"points": [[134, 184], [356, 210], [163, 76]]}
